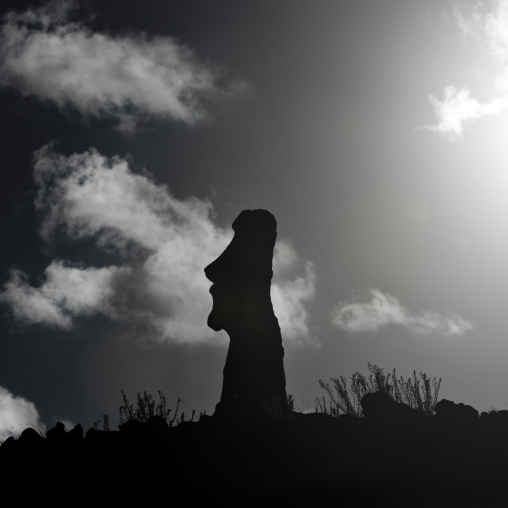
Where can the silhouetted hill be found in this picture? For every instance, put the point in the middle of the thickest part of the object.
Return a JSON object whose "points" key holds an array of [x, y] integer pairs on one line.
{"points": [[394, 454]]}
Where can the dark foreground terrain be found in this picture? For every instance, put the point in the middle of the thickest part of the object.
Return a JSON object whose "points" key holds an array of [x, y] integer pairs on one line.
{"points": [[393, 456]]}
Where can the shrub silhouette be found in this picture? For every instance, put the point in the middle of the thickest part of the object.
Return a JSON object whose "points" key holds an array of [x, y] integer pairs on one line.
{"points": [[418, 393], [146, 407]]}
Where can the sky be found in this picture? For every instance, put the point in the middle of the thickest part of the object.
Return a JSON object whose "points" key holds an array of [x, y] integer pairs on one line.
{"points": [[133, 136]]}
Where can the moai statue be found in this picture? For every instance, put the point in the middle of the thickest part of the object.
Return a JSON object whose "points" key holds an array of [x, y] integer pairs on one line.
{"points": [[242, 306]]}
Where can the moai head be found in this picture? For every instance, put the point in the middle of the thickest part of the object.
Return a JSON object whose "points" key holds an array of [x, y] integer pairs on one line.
{"points": [[242, 274]]}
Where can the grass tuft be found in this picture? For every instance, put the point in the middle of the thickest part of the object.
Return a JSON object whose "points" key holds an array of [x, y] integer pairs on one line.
{"points": [[344, 396], [146, 407]]}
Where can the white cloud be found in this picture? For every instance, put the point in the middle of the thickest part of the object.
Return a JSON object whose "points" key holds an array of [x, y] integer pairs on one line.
{"points": [[490, 30], [374, 309], [66, 292], [458, 108], [163, 244], [129, 78], [487, 24], [289, 297], [16, 414], [284, 256]]}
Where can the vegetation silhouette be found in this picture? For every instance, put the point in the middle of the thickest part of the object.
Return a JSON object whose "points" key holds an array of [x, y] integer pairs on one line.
{"points": [[377, 439], [418, 393], [146, 409]]}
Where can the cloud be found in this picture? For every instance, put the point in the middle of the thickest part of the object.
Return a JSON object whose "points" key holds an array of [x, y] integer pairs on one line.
{"points": [[289, 297], [16, 414], [457, 108], [162, 244], [129, 78], [487, 27], [374, 309], [57, 300]]}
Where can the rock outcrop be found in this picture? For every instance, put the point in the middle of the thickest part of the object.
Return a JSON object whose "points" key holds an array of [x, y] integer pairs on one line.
{"points": [[454, 413], [456, 418], [382, 410], [57, 433], [241, 276]]}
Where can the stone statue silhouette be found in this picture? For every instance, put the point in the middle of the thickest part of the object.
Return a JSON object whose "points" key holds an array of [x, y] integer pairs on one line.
{"points": [[242, 306]]}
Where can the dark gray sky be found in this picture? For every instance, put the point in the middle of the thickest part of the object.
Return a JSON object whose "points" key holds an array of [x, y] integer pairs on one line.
{"points": [[134, 135]]}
